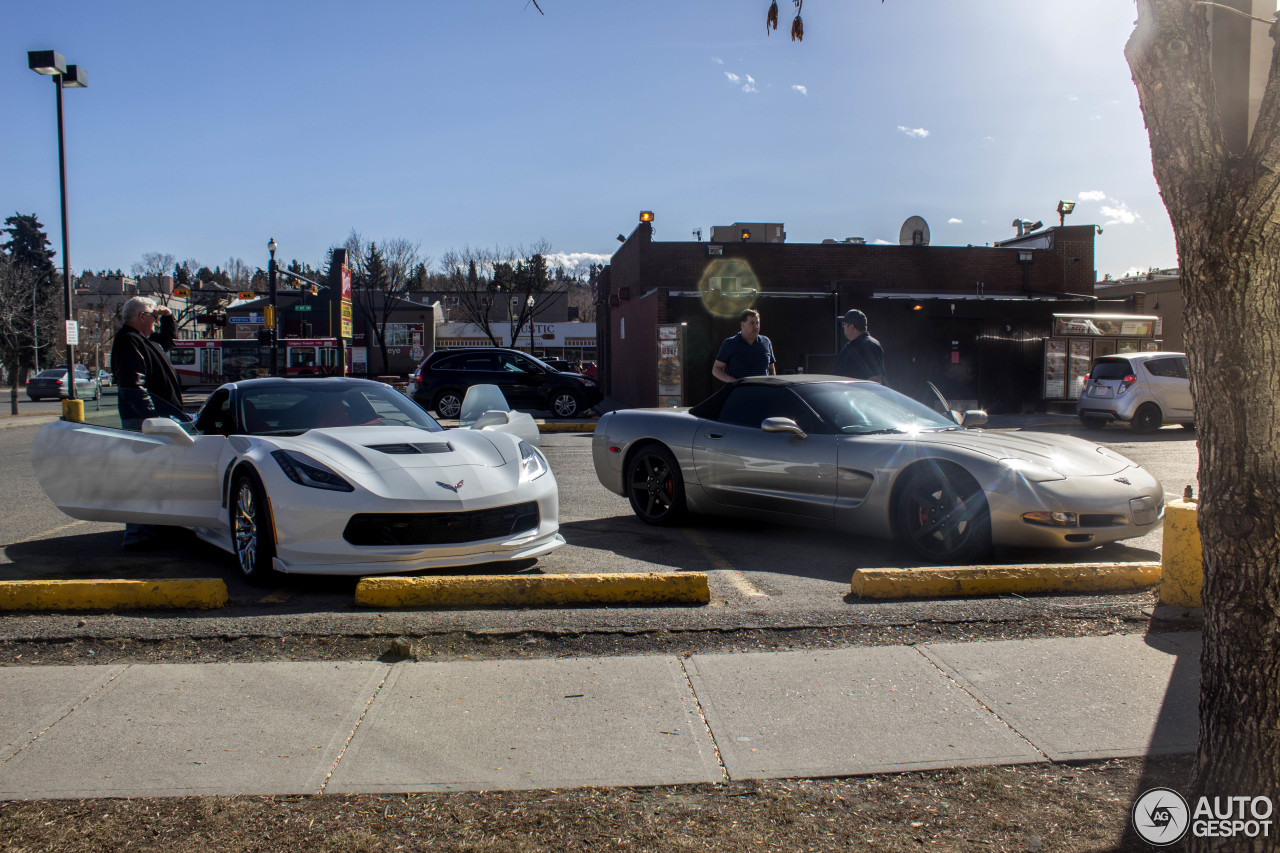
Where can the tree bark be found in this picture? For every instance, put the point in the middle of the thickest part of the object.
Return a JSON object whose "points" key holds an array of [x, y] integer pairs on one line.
{"points": [[1223, 209]]}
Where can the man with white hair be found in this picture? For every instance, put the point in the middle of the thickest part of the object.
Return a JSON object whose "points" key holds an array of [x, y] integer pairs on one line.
{"points": [[148, 386]]}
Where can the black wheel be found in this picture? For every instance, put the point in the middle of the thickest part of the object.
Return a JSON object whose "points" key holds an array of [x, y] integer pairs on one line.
{"points": [[655, 486], [251, 535], [1190, 426], [943, 515], [565, 404], [1147, 418], [448, 404], [1093, 422]]}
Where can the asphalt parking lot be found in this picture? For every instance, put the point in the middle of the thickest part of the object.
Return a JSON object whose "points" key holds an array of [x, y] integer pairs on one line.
{"points": [[759, 574]]}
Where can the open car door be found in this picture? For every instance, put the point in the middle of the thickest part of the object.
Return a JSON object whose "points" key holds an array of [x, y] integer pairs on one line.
{"points": [[162, 475]]}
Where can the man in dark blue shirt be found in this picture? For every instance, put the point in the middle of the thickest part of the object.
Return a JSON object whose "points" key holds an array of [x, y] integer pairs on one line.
{"points": [[862, 357], [747, 353]]}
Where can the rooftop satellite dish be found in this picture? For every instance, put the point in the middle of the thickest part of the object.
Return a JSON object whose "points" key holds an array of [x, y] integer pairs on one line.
{"points": [[915, 232]]}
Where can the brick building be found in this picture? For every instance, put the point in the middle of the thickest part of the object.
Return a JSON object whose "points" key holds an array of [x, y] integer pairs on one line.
{"points": [[975, 320]]}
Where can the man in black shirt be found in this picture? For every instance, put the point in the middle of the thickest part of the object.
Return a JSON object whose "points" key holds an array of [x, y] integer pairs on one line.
{"points": [[862, 357], [747, 353]]}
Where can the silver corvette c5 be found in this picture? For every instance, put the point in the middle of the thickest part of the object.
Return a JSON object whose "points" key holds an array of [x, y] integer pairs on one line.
{"points": [[861, 457]]}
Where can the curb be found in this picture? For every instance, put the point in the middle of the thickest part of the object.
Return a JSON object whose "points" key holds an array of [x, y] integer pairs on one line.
{"points": [[567, 427], [198, 594], [634, 589], [946, 581]]}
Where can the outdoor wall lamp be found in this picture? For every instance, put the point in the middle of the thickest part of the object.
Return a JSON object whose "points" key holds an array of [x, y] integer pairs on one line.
{"points": [[1065, 207], [646, 216]]}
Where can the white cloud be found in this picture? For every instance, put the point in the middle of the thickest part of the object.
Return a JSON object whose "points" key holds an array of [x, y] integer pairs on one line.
{"points": [[1092, 195], [733, 78], [913, 132], [1073, 97], [717, 60], [880, 242], [1119, 214], [575, 263], [954, 221], [750, 85], [804, 90]]}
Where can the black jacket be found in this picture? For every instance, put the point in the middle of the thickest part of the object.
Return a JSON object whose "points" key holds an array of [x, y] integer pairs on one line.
{"points": [[861, 358], [148, 386]]}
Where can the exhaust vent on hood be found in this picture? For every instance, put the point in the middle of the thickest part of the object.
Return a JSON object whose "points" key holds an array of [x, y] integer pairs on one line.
{"points": [[404, 447]]}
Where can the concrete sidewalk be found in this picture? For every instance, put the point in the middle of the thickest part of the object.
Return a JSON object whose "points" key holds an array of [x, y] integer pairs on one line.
{"points": [[346, 727]]}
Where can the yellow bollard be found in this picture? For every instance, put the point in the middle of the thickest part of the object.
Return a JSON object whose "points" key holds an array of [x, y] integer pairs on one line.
{"points": [[73, 410], [1181, 557]]}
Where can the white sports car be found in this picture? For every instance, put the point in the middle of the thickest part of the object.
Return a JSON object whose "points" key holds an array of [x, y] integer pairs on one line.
{"points": [[857, 456], [319, 476]]}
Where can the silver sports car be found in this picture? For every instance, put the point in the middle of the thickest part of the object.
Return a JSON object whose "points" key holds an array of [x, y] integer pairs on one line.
{"points": [[861, 457], [319, 476]]}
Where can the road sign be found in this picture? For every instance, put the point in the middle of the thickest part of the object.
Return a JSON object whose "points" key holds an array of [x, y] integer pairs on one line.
{"points": [[302, 308], [73, 334]]}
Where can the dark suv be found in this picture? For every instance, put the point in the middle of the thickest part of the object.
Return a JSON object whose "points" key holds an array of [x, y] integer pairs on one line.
{"points": [[442, 381]]}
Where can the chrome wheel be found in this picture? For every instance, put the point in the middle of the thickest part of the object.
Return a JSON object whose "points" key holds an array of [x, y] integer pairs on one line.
{"points": [[251, 535], [655, 486], [448, 404], [565, 404]]}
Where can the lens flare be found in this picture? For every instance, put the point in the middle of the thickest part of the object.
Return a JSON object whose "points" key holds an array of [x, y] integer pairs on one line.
{"points": [[728, 286]]}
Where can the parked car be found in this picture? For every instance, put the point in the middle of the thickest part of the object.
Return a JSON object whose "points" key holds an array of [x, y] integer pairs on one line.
{"points": [[1146, 389], [442, 380], [52, 383], [859, 457], [103, 376], [315, 476], [561, 364]]}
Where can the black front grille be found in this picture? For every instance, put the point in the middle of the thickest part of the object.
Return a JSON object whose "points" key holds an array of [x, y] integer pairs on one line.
{"points": [[1097, 520], [441, 528]]}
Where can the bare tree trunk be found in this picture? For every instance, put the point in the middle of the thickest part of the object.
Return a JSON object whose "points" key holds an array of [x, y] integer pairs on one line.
{"points": [[1223, 208]]}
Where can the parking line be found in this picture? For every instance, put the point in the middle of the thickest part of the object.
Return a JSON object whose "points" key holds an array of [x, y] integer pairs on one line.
{"points": [[723, 566], [46, 533]]}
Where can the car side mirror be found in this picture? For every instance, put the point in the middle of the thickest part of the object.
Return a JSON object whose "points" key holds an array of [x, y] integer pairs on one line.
{"points": [[493, 417], [973, 418], [783, 425], [169, 429]]}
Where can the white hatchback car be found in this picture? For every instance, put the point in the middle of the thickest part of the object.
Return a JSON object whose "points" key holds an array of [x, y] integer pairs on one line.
{"points": [[1147, 389]]}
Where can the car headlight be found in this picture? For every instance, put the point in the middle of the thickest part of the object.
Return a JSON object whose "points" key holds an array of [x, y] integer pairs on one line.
{"points": [[306, 471], [532, 463], [1051, 519], [587, 383], [1033, 471]]}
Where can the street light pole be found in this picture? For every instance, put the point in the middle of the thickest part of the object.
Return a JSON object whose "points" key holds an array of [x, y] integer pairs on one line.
{"points": [[51, 63], [271, 307]]}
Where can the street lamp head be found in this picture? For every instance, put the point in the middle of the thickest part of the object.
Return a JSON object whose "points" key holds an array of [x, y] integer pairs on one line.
{"points": [[46, 62], [75, 78], [271, 247]]}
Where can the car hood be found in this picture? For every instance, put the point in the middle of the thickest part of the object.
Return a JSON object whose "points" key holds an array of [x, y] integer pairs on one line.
{"points": [[1068, 455], [370, 449]]}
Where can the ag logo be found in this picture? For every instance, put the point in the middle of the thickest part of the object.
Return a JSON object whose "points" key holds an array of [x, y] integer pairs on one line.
{"points": [[1161, 817]]}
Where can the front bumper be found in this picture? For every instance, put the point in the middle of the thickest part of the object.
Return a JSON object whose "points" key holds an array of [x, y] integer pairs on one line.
{"points": [[1135, 509]]}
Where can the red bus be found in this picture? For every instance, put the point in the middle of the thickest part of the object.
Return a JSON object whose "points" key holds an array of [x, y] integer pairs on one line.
{"points": [[215, 361]]}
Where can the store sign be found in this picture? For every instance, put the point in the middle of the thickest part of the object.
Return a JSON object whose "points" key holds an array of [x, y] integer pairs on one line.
{"points": [[345, 313]]}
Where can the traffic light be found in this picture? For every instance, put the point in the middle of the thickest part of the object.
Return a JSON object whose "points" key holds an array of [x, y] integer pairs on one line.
{"points": [[266, 338], [182, 292], [245, 294]]}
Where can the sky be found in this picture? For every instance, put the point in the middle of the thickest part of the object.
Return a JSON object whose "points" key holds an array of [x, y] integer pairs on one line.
{"points": [[209, 128]]}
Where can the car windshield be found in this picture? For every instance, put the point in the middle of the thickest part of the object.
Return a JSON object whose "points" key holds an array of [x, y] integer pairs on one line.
{"points": [[865, 408], [293, 408], [51, 374]]}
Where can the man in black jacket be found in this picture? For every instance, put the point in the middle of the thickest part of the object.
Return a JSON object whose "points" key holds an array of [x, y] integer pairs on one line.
{"points": [[862, 357], [148, 386]]}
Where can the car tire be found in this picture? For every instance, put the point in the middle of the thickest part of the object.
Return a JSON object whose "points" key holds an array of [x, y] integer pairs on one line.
{"points": [[448, 404], [565, 404], [1147, 419], [252, 540], [1093, 422], [1191, 425], [655, 486], [942, 514]]}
